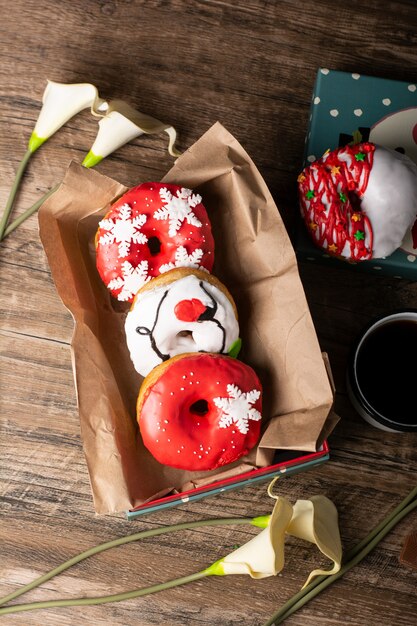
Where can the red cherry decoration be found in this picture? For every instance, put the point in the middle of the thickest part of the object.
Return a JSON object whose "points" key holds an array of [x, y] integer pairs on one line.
{"points": [[189, 310]]}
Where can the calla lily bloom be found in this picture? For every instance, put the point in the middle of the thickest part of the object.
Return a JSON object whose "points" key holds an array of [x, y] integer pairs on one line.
{"points": [[121, 124], [263, 555], [313, 520], [316, 520], [61, 102]]}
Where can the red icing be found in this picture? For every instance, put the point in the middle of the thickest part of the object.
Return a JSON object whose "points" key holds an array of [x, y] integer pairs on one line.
{"points": [[189, 310], [333, 214], [180, 437], [146, 200]]}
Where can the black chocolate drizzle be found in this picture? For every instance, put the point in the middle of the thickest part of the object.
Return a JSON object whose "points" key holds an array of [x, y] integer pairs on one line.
{"points": [[143, 330]]}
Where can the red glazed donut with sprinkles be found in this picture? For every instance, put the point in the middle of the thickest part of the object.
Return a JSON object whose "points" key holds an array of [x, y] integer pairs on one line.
{"points": [[151, 229], [200, 411], [359, 201]]}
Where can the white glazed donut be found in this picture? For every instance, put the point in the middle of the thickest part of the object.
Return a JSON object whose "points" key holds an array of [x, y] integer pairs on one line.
{"points": [[359, 201], [183, 310]]}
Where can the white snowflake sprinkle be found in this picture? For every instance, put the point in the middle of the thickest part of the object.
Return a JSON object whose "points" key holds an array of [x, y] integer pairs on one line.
{"points": [[237, 408], [178, 208], [182, 259], [123, 230], [132, 279]]}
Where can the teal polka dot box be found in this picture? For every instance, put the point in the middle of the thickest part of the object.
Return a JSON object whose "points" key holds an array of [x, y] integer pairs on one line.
{"points": [[346, 107]]}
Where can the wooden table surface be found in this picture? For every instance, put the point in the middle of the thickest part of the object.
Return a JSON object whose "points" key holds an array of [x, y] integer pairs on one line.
{"points": [[190, 63]]}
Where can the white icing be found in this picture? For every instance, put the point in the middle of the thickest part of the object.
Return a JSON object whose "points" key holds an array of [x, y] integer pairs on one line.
{"points": [[132, 279], [237, 408], [123, 230], [169, 333], [178, 208], [390, 199], [183, 259]]}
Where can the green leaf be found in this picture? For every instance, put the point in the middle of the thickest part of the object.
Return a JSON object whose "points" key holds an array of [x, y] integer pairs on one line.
{"points": [[235, 348]]}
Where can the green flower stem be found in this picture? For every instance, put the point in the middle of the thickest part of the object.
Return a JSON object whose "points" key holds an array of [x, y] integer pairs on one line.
{"points": [[353, 557], [13, 192], [119, 542], [118, 597], [28, 212]]}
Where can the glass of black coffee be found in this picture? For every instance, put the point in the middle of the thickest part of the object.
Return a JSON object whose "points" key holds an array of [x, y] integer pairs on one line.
{"points": [[382, 372]]}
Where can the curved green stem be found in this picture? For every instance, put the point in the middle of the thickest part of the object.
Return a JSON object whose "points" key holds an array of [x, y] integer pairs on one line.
{"points": [[19, 220], [353, 557], [13, 192], [119, 542], [118, 597]]}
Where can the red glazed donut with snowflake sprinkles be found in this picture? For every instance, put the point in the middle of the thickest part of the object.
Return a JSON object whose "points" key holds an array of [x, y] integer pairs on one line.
{"points": [[151, 229], [200, 411]]}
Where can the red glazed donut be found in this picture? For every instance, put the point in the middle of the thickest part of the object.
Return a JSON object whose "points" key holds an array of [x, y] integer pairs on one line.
{"points": [[200, 411], [151, 229]]}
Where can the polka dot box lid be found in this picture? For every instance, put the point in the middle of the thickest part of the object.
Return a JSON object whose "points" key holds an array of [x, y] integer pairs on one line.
{"points": [[385, 112]]}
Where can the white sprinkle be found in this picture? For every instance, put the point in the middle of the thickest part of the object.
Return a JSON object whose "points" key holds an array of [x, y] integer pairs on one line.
{"points": [[411, 88], [233, 446], [199, 456], [334, 112], [194, 452], [324, 70], [316, 100], [311, 158], [184, 376], [166, 422], [197, 382], [191, 373], [179, 451], [172, 393], [358, 112], [386, 102], [356, 76], [169, 440], [182, 388], [163, 430]]}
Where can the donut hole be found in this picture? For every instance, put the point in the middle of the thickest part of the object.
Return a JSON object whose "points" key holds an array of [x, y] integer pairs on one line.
{"points": [[154, 245], [355, 201], [186, 333], [199, 408], [184, 341]]}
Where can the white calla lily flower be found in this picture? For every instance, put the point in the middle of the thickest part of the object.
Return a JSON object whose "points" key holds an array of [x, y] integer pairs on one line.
{"points": [[263, 555], [316, 520], [121, 124], [313, 520], [61, 102]]}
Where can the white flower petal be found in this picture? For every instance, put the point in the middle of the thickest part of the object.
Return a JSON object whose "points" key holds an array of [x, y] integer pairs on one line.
{"points": [[121, 124], [316, 520], [61, 102], [114, 131], [263, 555]]}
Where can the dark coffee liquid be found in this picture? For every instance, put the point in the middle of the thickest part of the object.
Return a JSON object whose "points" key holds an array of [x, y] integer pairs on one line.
{"points": [[387, 373]]}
